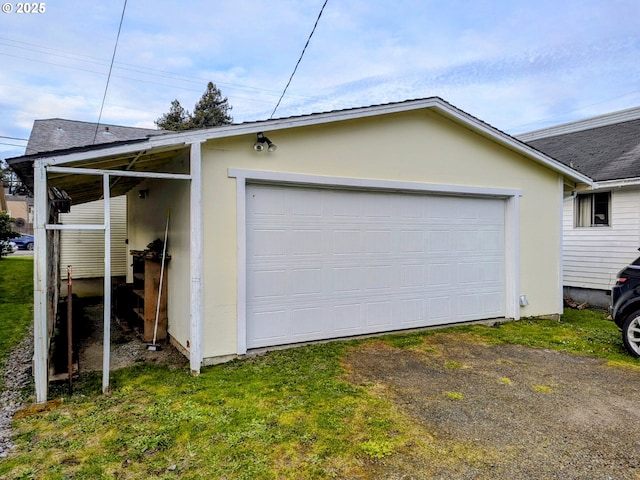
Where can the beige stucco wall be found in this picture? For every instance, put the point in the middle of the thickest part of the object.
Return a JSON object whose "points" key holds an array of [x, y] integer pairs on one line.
{"points": [[418, 146], [147, 221]]}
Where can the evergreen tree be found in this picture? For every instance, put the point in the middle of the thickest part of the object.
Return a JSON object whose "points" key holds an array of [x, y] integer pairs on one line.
{"points": [[176, 119], [211, 110]]}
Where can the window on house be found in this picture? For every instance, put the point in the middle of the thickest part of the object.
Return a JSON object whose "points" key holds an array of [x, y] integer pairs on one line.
{"points": [[592, 209]]}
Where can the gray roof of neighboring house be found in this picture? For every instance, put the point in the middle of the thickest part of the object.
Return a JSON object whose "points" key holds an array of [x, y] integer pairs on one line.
{"points": [[59, 134], [603, 148]]}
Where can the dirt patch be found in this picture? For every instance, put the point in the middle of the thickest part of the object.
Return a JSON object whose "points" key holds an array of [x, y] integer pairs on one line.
{"points": [[127, 348], [507, 411]]}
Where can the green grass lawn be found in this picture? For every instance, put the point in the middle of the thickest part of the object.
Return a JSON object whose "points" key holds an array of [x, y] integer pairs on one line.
{"points": [[287, 414], [16, 302]]}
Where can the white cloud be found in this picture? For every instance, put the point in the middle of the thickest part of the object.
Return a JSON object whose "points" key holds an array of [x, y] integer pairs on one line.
{"points": [[512, 64]]}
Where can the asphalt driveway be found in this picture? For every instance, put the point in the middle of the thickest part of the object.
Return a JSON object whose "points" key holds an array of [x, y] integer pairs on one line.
{"points": [[505, 411]]}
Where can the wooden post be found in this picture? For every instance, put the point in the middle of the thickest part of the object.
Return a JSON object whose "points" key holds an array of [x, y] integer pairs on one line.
{"points": [[197, 303], [40, 323], [106, 345]]}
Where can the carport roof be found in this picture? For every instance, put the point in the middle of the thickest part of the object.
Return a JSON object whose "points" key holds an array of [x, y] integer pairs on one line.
{"points": [[153, 153]]}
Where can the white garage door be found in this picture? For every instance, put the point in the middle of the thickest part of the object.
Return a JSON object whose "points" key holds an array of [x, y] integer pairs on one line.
{"points": [[325, 263]]}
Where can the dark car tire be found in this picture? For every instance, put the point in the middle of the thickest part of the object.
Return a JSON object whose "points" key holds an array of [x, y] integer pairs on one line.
{"points": [[631, 333], [29, 246]]}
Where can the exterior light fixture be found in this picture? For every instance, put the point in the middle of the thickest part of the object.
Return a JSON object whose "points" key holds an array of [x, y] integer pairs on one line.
{"points": [[263, 142]]}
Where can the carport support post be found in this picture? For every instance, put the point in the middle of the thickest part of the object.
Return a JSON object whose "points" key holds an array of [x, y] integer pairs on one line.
{"points": [[195, 317], [40, 323], [106, 356]]}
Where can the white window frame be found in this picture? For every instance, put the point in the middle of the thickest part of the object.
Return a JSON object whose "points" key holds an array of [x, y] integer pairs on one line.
{"points": [[585, 213]]}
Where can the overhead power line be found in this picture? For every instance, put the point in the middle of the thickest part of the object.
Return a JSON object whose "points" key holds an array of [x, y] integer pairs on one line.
{"points": [[299, 59], [14, 138], [145, 70], [115, 48]]}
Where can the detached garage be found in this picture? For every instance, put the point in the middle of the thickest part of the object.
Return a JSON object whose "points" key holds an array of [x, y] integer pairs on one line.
{"points": [[330, 225]]}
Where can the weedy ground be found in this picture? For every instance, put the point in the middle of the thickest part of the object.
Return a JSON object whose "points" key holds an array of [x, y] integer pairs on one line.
{"points": [[293, 413], [16, 302]]}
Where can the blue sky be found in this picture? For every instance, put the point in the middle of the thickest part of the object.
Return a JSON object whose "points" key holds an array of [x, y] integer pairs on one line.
{"points": [[517, 65]]}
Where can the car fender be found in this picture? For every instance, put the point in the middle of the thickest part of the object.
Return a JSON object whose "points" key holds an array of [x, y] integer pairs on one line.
{"points": [[629, 302]]}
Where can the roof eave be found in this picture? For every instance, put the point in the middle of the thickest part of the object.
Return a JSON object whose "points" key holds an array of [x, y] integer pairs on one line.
{"points": [[514, 144], [435, 103], [623, 182]]}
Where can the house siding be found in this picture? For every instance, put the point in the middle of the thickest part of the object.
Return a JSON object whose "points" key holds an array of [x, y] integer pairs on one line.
{"points": [[84, 249], [592, 256]]}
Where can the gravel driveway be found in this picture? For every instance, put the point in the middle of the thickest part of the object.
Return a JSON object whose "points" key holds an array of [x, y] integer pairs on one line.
{"points": [[505, 412]]}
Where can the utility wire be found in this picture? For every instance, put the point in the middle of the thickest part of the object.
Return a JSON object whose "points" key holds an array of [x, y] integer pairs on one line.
{"points": [[124, 66], [115, 48], [14, 138], [299, 59]]}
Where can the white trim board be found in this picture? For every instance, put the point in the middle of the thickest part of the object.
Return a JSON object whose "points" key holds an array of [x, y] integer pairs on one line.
{"points": [[512, 225], [370, 184]]}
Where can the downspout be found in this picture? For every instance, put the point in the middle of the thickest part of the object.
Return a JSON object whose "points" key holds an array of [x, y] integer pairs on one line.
{"points": [[196, 252]]}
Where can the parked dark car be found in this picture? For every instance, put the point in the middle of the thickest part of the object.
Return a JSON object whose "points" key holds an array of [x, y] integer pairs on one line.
{"points": [[625, 306], [24, 242]]}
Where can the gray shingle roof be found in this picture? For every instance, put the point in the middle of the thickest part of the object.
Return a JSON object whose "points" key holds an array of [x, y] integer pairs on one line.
{"points": [[606, 152], [60, 134]]}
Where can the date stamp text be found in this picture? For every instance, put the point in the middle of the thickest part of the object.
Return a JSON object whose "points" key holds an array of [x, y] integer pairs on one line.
{"points": [[24, 8]]}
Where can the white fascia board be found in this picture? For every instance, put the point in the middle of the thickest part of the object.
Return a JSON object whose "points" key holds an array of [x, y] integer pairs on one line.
{"points": [[293, 122], [580, 125], [172, 140], [369, 183], [178, 139], [106, 150], [119, 173], [514, 144], [625, 182]]}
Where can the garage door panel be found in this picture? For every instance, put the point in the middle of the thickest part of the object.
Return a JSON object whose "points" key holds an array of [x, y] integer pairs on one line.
{"points": [[347, 319], [267, 243], [269, 283], [306, 242], [268, 328], [307, 322], [346, 242], [326, 264], [306, 281], [306, 203]]}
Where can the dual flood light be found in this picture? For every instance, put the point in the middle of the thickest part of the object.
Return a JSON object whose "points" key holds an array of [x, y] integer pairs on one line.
{"points": [[263, 143]]}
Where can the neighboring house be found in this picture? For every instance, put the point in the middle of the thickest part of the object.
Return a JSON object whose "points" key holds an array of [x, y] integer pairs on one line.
{"points": [[362, 221], [20, 208], [601, 227], [84, 249]]}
